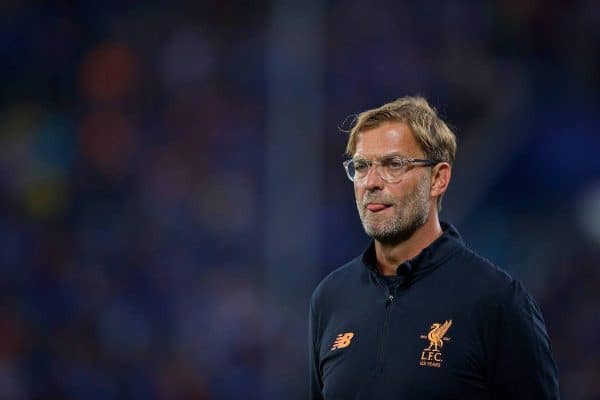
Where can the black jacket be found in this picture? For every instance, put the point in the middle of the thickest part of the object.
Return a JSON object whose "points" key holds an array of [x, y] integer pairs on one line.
{"points": [[450, 326]]}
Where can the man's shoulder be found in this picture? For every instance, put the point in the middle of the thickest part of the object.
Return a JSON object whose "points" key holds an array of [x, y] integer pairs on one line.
{"points": [[479, 267], [339, 279], [494, 283]]}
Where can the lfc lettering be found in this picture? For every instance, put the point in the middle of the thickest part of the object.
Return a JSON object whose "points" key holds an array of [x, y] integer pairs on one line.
{"points": [[431, 359]]}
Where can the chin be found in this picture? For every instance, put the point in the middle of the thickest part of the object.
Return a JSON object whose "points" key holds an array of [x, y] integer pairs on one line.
{"points": [[392, 234], [381, 235]]}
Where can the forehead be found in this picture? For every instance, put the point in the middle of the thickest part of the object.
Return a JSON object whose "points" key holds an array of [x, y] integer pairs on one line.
{"points": [[387, 138]]}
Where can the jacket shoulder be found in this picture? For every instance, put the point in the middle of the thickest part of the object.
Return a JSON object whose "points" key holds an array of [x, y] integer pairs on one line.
{"points": [[337, 281], [495, 286], [483, 273]]}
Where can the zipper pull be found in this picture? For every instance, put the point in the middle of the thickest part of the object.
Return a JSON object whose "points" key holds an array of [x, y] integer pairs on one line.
{"points": [[390, 298]]}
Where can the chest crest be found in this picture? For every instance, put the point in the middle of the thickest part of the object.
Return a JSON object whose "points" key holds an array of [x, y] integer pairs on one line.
{"points": [[432, 356]]}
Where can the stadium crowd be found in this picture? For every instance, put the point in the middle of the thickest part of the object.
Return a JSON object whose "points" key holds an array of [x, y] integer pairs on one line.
{"points": [[132, 180]]}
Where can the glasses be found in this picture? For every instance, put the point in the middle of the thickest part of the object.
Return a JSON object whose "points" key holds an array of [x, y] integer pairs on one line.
{"points": [[390, 169]]}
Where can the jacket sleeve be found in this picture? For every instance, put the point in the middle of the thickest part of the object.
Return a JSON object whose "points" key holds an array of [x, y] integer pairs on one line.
{"points": [[315, 378], [522, 365]]}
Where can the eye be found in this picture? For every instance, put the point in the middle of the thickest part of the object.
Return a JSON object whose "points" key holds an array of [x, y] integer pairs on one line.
{"points": [[361, 166], [394, 164]]}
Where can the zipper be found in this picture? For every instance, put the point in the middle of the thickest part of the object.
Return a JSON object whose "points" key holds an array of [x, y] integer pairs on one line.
{"points": [[388, 306]]}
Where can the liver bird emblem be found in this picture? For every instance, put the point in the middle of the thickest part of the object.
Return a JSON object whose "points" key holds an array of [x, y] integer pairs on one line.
{"points": [[436, 335]]}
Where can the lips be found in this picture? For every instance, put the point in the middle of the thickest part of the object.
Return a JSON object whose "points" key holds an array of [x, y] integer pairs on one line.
{"points": [[375, 207]]}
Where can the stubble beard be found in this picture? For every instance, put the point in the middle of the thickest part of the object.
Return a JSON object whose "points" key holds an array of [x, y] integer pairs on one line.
{"points": [[409, 214]]}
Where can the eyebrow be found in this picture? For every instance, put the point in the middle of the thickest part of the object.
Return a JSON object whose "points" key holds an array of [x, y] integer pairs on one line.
{"points": [[388, 155]]}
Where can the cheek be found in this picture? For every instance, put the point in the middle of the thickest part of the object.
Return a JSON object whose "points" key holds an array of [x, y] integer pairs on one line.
{"points": [[359, 191]]}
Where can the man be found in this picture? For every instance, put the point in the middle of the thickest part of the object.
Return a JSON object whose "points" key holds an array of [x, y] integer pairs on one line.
{"points": [[419, 315]]}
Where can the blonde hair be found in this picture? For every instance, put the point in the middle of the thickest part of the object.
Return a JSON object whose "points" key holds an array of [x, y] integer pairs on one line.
{"points": [[436, 140]]}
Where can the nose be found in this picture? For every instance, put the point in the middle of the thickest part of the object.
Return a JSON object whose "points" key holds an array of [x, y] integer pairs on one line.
{"points": [[373, 180]]}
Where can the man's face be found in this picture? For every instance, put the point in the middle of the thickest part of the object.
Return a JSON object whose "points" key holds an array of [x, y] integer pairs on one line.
{"points": [[392, 212]]}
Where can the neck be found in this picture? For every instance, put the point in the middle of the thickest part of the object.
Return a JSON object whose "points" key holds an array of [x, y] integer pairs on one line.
{"points": [[391, 255]]}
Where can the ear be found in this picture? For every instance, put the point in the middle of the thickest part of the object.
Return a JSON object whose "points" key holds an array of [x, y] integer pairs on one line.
{"points": [[440, 178]]}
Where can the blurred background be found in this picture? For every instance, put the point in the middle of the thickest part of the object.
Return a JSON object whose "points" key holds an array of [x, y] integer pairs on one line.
{"points": [[171, 187]]}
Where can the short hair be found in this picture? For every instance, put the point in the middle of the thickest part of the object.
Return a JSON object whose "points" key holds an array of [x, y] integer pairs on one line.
{"points": [[436, 140]]}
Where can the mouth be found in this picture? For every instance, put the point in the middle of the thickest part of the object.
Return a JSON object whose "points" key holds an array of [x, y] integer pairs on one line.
{"points": [[377, 207]]}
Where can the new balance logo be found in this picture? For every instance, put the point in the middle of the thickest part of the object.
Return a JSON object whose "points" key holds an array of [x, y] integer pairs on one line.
{"points": [[342, 340]]}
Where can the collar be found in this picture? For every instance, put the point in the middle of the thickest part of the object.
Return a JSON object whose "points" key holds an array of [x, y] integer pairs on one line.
{"points": [[427, 260]]}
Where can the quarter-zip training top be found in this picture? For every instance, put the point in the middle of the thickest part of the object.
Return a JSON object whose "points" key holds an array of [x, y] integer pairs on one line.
{"points": [[450, 325]]}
